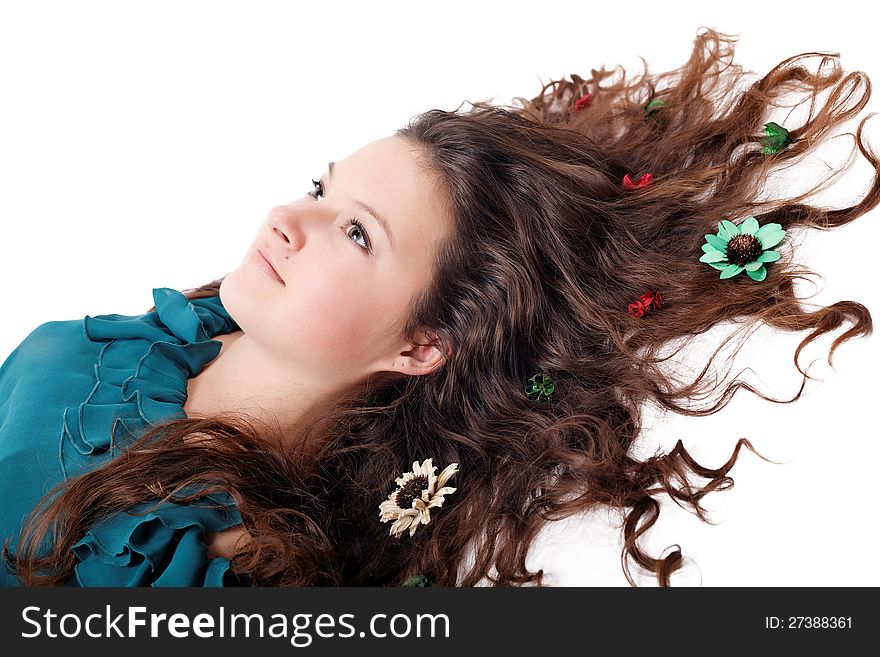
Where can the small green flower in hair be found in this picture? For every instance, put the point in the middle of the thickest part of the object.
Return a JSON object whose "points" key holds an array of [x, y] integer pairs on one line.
{"points": [[417, 580], [776, 139], [653, 107], [745, 247], [540, 387]]}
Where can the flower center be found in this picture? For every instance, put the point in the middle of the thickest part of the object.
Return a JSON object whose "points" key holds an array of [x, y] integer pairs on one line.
{"points": [[411, 491], [743, 248]]}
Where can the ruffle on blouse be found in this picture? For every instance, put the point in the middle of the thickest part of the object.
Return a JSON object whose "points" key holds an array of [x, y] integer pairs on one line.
{"points": [[141, 379], [165, 547], [141, 374]]}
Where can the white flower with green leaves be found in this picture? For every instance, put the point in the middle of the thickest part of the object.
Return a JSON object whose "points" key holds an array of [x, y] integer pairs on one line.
{"points": [[744, 247]]}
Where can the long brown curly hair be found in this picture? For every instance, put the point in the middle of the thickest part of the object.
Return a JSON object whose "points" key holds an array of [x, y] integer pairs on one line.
{"points": [[548, 249]]}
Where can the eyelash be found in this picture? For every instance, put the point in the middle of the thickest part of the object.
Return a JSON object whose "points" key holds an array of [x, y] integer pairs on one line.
{"points": [[319, 189]]}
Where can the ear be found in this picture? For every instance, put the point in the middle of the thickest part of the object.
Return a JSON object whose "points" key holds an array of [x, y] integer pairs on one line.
{"points": [[419, 359]]}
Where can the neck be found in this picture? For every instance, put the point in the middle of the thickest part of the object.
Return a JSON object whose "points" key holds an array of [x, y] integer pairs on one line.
{"points": [[242, 380]]}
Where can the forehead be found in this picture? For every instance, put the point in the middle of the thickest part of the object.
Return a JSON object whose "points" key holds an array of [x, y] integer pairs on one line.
{"points": [[389, 174]]}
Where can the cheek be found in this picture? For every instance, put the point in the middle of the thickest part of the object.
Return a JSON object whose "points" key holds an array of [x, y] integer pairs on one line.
{"points": [[335, 316]]}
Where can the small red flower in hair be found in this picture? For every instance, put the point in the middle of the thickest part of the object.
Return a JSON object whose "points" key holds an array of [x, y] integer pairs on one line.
{"points": [[643, 181], [648, 301], [582, 102]]}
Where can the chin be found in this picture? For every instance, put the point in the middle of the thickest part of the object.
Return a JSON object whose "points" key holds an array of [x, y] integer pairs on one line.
{"points": [[247, 296], [230, 295], [220, 290]]}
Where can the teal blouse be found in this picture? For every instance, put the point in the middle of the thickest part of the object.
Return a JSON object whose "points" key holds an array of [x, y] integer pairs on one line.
{"points": [[73, 395]]}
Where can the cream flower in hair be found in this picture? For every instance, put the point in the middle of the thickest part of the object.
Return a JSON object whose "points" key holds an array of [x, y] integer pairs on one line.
{"points": [[418, 491]]}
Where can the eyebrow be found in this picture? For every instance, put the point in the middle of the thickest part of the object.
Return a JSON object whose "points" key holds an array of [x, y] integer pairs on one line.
{"points": [[383, 223]]}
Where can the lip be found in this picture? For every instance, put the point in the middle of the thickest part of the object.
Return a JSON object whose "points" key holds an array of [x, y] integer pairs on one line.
{"points": [[266, 266]]}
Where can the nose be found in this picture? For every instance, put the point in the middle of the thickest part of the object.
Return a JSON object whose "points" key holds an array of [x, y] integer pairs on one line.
{"points": [[291, 223]]}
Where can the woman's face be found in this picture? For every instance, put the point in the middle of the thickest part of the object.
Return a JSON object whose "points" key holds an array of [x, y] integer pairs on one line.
{"points": [[339, 307]]}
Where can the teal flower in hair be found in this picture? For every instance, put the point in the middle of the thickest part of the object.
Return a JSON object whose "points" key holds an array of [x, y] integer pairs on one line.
{"points": [[744, 247]]}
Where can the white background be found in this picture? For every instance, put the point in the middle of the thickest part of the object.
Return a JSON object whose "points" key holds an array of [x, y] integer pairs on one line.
{"points": [[142, 143]]}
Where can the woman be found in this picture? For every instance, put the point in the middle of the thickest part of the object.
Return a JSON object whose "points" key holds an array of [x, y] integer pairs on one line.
{"points": [[404, 394]]}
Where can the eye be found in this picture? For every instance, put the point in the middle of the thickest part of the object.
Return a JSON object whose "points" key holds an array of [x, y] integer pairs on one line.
{"points": [[319, 190], [360, 228]]}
